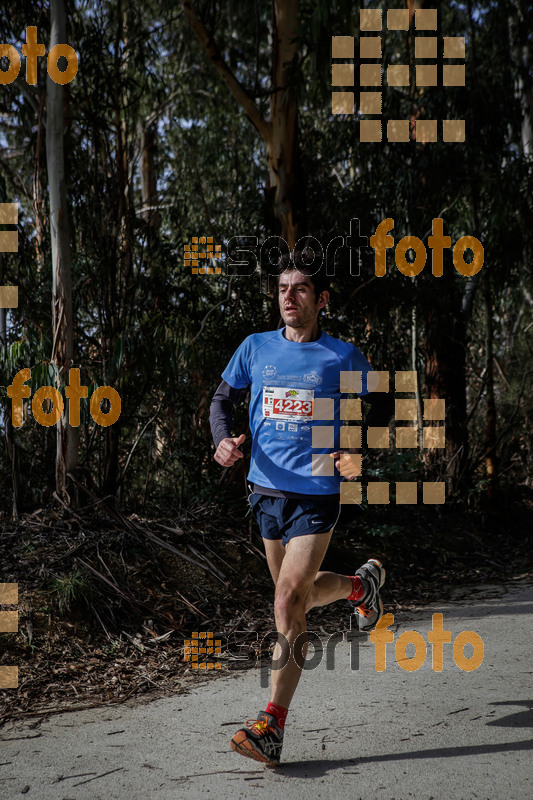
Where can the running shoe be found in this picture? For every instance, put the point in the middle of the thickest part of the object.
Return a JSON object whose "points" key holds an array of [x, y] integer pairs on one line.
{"points": [[260, 739], [369, 610]]}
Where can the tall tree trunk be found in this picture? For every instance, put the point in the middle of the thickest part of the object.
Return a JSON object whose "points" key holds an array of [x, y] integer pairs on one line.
{"points": [[519, 30], [11, 447], [62, 319], [414, 368], [282, 144], [445, 329], [151, 214], [491, 462], [280, 133], [119, 275], [445, 345]]}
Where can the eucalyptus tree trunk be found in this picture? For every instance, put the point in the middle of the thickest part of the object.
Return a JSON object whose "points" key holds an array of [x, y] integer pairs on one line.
{"points": [[444, 328], [62, 320], [282, 142], [150, 211], [280, 132], [445, 351], [520, 57], [10, 443], [491, 460]]}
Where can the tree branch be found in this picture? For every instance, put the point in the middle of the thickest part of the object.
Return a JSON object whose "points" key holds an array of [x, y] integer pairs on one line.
{"points": [[236, 88]]}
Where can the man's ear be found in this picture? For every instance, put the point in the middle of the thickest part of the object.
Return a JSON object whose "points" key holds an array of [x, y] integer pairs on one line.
{"points": [[323, 299]]}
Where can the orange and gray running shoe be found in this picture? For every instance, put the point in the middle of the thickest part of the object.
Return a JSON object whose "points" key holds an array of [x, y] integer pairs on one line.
{"points": [[260, 739], [369, 610]]}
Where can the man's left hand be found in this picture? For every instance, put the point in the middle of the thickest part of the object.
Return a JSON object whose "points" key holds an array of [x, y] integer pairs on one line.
{"points": [[350, 465]]}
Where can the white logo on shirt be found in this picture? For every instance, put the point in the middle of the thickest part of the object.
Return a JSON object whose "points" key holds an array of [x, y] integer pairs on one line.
{"points": [[313, 377], [269, 371]]}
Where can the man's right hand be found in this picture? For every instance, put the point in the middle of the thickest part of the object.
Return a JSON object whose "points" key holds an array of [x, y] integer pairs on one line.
{"points": [[227, 452]]}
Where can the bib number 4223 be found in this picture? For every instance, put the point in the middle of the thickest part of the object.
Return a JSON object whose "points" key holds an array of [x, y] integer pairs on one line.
{"points": [[291, 406], [286, 402]]}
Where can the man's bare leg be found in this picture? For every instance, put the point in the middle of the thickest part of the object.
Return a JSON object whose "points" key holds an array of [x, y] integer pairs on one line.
{"points": [[294, 584], [299, 587], [328, 587], [275, 553]]}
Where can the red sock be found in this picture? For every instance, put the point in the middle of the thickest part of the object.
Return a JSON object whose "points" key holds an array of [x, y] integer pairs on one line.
{"points": [[279, 713], [357, 588]]}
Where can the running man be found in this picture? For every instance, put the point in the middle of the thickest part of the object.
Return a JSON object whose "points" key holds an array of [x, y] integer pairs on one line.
{"points": [[294, 379]]}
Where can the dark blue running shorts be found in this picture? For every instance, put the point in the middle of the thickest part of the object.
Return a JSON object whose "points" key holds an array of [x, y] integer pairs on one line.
{"points": [[283, 518]]}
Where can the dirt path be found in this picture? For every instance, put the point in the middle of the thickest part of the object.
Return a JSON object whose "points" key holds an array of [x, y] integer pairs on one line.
{"points": [[450, 735]]}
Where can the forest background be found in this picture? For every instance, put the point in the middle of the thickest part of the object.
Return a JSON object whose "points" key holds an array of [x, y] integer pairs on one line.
{"points": [[215, 119]]}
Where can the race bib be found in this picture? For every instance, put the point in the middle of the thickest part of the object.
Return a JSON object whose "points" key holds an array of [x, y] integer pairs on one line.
{"points": [[282, 402]]}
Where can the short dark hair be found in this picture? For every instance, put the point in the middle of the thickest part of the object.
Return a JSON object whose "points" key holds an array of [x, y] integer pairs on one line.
{"points": [[304, 262]]}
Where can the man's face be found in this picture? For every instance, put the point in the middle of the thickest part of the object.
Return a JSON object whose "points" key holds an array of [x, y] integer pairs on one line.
{"points": [[297, 302]]}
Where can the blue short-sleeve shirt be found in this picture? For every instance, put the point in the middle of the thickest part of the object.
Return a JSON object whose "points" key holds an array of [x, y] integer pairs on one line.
{"points": [[295, 387]]}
